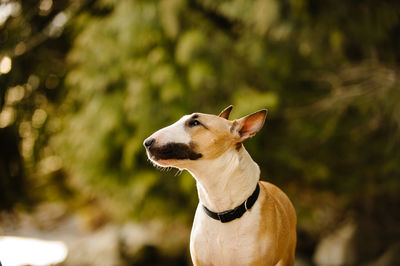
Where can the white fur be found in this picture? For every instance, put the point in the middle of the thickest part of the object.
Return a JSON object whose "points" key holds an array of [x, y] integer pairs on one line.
{"points": [[227, 181], [173, 133], [223, 184]]}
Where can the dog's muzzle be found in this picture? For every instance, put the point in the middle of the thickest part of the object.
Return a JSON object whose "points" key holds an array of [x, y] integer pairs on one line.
{"points": [[177, 151]]}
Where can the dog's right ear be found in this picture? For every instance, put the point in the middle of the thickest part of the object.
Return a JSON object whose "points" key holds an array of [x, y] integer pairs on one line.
{"points": [[226, 112], [248, 126]]}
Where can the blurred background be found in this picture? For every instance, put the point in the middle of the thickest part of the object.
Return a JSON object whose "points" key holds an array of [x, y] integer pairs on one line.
{"points": [[83, 83]]}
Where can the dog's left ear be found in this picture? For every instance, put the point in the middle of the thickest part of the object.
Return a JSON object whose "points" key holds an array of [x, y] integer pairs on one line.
{"points": [[248, 126], [226, 112]]}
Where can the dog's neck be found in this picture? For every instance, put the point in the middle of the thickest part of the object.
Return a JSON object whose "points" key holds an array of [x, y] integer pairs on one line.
{"points": [[227, 181]]}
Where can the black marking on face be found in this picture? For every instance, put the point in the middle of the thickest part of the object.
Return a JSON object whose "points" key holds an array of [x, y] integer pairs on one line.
{"points": [[178, 151]]}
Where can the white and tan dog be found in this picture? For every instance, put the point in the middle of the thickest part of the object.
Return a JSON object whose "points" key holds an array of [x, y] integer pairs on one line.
{"points": [[239, 220]]}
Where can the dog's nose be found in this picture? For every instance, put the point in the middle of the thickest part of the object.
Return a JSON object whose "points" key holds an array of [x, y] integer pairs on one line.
{"points": [[148, 142]]}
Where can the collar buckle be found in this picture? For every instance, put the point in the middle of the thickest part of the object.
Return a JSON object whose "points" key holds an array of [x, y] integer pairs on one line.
{"points": [[226, 216]]}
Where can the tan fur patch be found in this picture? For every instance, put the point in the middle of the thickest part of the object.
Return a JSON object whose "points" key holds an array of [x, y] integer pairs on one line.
{"points": [[238, 146], [277, 221], [214, 137]]}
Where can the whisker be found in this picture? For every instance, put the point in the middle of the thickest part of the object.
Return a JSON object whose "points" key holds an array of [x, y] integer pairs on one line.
{"points": [[178, 172]]}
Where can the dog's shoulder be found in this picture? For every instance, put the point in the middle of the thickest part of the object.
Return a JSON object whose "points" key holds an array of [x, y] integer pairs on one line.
{"points": [[275, 195]]}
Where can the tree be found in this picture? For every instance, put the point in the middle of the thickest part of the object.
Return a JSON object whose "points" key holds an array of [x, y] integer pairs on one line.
{"points": [[327, 72]]}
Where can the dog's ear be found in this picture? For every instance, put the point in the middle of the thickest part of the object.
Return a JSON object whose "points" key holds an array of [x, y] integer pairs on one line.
{"points": [[248, 126], [226, 112]]}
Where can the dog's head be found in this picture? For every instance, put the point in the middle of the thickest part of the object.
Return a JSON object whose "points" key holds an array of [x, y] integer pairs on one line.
{"points": [[201, 137]]}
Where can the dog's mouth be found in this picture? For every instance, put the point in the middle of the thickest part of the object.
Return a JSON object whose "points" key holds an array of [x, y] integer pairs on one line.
{"points": [[173, 151]]}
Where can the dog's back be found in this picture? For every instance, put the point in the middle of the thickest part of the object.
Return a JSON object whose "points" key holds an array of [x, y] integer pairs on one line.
{"points": [[278, 223]]}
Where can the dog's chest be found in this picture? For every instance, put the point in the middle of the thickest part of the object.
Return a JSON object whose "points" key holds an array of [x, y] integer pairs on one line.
{"points": [[232, 243]]}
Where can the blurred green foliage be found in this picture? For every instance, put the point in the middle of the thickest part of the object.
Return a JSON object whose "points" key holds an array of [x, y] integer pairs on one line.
{"points": [[90, 80]]}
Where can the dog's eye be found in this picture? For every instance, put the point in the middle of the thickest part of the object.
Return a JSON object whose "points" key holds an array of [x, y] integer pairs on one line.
{"points": [[193, 123]]}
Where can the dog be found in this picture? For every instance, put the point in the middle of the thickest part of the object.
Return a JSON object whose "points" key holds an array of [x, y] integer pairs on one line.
{"points": [[239, 220]]}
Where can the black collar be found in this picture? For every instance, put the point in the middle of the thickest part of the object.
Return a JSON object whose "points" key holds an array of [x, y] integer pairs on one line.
{"points": [[237, 212]]}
